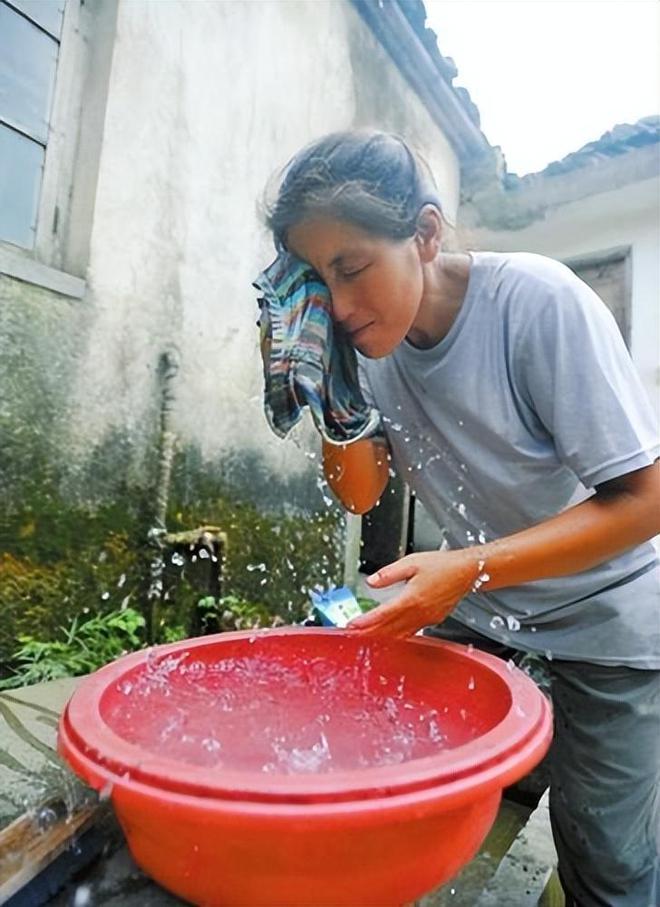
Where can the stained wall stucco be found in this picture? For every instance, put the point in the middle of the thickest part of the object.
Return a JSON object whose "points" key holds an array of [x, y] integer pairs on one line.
{"points": [[204, 105]]}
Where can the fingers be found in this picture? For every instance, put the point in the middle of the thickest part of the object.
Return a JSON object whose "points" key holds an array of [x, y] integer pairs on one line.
{"points": [[397, 572], [397, 618]]}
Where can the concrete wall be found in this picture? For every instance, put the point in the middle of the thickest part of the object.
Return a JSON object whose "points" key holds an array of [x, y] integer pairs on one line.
{"points": [[205, 101], [627, 216]]}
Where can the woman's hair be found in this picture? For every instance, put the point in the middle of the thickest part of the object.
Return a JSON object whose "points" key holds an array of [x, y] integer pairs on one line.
{"points": [[370, 179]]}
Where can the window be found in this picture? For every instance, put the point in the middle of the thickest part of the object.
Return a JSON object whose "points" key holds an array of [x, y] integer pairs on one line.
{"points": [[29, 45], [609, 275]]}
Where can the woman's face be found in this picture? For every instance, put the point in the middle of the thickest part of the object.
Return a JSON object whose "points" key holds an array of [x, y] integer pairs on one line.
{"points": [[376, 284]]}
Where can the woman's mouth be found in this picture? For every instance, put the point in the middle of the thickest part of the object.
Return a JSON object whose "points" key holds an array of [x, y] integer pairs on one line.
{"points": [[358, 333]]}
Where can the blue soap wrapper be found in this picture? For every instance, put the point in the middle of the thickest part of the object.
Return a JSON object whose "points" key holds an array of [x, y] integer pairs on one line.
{"points": [[335, 607]]}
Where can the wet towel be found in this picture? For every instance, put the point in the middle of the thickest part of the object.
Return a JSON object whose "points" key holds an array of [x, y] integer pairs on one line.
{"points": [[311, 363]]}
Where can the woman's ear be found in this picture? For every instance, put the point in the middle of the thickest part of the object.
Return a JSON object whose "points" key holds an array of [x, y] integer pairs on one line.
{"points": [[429, 233]]}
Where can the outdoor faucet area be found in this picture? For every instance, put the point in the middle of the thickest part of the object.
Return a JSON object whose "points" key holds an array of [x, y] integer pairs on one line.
{"points": [[329, 453]]}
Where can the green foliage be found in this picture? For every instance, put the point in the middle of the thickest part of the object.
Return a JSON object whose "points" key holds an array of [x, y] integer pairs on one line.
{"points": [[39, 594], [75, 544], [85, 646]]}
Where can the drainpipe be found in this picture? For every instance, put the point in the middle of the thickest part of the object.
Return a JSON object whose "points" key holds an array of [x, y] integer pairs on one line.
{"points": [[168, 368]]}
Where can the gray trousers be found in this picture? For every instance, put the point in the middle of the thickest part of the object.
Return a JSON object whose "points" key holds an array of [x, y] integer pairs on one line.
{"points": [[604, 776]]}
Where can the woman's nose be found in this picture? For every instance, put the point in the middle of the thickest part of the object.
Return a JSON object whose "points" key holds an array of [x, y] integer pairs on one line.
{"points": [[342, 306]]}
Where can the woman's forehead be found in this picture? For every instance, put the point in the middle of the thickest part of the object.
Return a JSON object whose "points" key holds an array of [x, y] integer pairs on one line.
{"points": [[326, 241]]}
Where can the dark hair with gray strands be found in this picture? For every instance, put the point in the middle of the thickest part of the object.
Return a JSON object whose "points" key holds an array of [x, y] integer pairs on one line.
{"points": [[372, 180]]}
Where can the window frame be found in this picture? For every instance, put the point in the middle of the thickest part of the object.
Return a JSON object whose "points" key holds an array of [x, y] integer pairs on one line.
{"points": [[610, 256], [59, 257]]}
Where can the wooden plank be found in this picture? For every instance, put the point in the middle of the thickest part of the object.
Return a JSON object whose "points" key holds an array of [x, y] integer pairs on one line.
{"points": [[43, 806], [27, 847], [523, 874]]}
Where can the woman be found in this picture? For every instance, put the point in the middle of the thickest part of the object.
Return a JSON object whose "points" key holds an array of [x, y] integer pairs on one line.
{"points": [[510, 406]]}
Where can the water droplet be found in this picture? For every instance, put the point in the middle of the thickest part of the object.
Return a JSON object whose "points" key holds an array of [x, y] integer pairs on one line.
{"points": [[178, 559], [121, 580], [211, 745], [512, 623], [548, 654], [471, 683], [105, 596], [46, 818], [252, 567], [82, 896], [497, 623]]}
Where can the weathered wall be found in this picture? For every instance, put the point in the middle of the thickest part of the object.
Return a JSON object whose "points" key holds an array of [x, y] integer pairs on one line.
{"points": [[190, 141], [204, 102], [627, 216]]}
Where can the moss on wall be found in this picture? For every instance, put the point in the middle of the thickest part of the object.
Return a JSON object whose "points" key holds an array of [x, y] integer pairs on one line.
{"points": [[63, 558]]}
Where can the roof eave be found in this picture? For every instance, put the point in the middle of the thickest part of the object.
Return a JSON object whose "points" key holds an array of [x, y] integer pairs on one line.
{"points": [[498, 207], [395, 33]]}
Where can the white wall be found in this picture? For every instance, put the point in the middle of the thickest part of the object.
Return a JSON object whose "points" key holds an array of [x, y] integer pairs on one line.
{"points": [[628, 216], [206, 101]]}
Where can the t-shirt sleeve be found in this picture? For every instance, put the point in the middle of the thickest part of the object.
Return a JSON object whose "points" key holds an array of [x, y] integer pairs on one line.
{"points": [[578, 378]]}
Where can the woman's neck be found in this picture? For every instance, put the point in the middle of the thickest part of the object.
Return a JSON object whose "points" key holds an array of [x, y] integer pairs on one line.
{"points": [[445, 285]]}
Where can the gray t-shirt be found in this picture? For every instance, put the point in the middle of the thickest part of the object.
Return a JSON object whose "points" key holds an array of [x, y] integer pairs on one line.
{"points": [[527, 403]]}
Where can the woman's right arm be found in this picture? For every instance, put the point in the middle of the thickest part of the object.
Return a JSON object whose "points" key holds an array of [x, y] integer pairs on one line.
{"points": [[357, 473]]}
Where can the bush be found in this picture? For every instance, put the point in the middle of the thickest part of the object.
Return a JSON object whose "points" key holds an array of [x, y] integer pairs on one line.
{"points": [[86, 645]]}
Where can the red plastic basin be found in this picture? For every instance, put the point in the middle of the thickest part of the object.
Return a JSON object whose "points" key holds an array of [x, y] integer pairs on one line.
{"points": [[305, 766]]}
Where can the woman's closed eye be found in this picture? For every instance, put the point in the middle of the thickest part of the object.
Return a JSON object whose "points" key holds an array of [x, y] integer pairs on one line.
{"points": [[350, 273]]}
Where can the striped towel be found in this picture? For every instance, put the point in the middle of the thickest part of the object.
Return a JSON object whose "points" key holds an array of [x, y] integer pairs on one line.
{"points": [[311, 363]]}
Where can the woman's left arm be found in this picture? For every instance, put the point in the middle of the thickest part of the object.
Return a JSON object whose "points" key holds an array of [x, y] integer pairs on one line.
{"points": [[621, 514]]}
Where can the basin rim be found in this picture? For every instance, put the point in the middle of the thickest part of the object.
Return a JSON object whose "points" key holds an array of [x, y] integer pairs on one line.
{"points": [[496, 758]]}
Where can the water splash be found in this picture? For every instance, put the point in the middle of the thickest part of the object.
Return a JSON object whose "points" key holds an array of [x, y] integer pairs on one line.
{"points": [[253, 713]]}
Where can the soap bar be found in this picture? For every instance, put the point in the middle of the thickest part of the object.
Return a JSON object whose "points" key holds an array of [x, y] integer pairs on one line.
{"points": [[335, 607]]}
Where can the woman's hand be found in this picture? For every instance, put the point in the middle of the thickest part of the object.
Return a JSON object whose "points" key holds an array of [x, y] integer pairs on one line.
{"points": [[435, 582]]}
